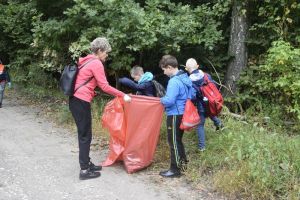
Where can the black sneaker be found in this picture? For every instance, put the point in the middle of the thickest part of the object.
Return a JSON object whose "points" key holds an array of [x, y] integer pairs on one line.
{"points": [[220, 127], [88, 174], [94, 167]]}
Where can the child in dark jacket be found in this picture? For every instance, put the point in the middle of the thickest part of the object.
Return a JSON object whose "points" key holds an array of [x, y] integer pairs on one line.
{"points": [[178, 91], [144, 85]]}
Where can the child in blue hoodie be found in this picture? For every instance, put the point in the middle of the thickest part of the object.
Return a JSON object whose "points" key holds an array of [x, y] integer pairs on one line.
{"points": [[144, 85], [178, 91]]}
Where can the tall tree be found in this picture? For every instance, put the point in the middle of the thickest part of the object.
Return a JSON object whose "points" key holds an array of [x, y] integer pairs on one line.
{"points": [[237, 46]]}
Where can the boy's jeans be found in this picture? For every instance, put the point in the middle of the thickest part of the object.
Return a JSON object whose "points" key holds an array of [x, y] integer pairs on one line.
{"points": [[201, 132], [2, 87], [216, 120], [200, 128]]}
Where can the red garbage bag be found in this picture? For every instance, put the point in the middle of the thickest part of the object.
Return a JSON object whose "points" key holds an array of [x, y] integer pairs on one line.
{"points": [[141, 122], [190, 118], [113, 120]]}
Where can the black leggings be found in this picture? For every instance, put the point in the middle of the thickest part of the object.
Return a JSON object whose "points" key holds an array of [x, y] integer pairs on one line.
{"points": [[81, 111]]}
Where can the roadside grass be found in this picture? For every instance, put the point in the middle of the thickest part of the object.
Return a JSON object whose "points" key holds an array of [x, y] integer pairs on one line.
{"points": [[97, 109], [251, 160], [246, 161], [53, 104]]}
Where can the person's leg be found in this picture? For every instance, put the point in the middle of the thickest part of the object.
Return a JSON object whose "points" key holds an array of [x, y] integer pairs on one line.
{"points": [[81, 112], [174, 170], [2, 88], [181, 150], [217, 122], [172, 140], [201, 132]]}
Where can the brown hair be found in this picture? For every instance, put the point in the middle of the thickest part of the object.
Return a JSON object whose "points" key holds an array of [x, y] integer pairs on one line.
{"points": [[168, 60]]}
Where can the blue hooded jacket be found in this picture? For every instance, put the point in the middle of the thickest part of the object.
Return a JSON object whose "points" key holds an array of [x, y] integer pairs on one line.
{"points": [[178, 91]]}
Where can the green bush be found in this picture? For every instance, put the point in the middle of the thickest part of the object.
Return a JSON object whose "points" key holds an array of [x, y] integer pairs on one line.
{"points": [[276, 82]]}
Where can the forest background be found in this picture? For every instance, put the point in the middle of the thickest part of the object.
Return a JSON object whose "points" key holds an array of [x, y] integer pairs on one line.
{"points": [[250, 47]]}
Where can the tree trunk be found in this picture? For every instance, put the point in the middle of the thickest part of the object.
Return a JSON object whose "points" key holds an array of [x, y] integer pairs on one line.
{"points": [[237, 46]]}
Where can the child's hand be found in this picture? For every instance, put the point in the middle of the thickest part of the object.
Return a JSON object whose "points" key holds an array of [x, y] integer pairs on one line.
{"points": [[127, 98]]}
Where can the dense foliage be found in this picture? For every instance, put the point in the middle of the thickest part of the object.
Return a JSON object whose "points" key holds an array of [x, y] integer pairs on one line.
{"points": [[273, 67], [276, 81]]}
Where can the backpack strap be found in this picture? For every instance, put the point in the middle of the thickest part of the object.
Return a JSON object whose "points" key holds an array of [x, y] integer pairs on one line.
{"points": [[205, 79], [198, 88], [83, 84], [80, 67]]}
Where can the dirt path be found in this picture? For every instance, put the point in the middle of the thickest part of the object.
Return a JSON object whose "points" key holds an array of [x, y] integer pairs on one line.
{"points": [[39, 161]]}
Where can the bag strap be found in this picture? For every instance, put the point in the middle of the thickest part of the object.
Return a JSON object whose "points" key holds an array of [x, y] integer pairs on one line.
{"points": [[205, 79], [81, 66], [83, 84]]}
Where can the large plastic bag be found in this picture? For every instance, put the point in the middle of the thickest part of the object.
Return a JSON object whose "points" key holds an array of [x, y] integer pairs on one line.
{"points": [[141, 126], [190, 118], [143, 121], [113, 120]]}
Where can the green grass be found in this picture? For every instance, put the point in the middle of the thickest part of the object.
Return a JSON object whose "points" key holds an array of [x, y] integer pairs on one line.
{"points": [[247, 161]]}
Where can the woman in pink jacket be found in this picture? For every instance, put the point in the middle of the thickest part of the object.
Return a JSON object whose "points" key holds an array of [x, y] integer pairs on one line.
{"points": [[80, 106]]}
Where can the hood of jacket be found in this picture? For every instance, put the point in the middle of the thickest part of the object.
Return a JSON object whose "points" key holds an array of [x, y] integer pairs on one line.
{"points": [[82, 60], [184, 78], [197, 75], [148, 76], [179, 89]]}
